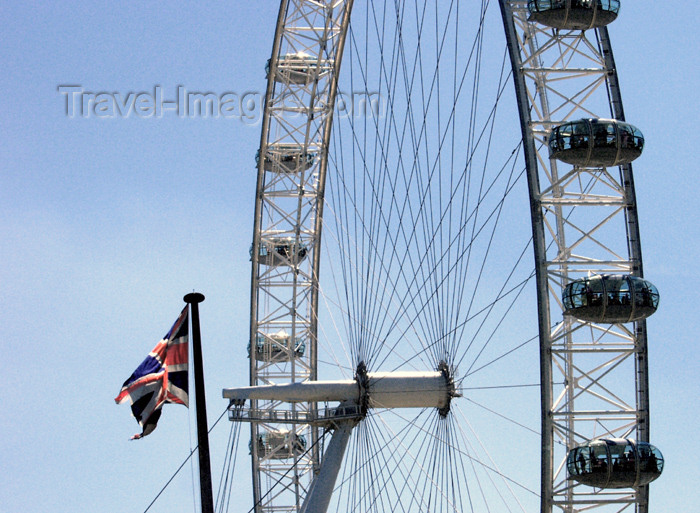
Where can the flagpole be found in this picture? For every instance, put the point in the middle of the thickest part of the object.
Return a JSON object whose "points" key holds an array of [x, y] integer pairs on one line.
{"points": [[193, 300]]}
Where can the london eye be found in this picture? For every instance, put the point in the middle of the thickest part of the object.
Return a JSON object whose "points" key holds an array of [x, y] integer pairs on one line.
{"points": [[448, 301]]}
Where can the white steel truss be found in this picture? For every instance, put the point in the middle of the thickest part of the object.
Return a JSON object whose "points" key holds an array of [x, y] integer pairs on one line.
{"points": [[291, 166], [594, 382]]}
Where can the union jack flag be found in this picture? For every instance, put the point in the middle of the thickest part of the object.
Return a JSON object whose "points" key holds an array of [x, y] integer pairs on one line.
{"points": [[161, 378]]}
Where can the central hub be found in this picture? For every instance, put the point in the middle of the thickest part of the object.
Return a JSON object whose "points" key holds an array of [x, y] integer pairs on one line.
{"points": [[398, 389], [408, 389]]}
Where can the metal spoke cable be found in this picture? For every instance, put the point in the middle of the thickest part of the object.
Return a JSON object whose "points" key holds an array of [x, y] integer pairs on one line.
{"points": [[490, 308], [362, 461], [223, 496], [360, 218], [458, 468], [481, 270], [414, 460], [279, 480], [476, 460], [424, 285], [349, 317], [519, 346], [494, 467], [464, 266], [386, 221], [500, 414], [513, 290], [471, 149], [425, 304], [401, 451], [472, 461]]}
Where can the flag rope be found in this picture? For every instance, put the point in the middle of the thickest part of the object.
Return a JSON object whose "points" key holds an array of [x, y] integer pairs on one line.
{"points": [[183, 464]]}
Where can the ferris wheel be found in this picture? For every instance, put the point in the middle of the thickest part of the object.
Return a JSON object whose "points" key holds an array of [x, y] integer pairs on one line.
{"points": [[413, 358]]}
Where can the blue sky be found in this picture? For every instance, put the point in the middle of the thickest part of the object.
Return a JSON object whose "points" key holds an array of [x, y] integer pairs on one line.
{"points": [[106, 222]]}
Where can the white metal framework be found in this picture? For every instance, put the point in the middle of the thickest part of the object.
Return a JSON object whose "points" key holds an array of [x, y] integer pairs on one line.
{"points": [[424, 269], [594, 376], [285, 252]]}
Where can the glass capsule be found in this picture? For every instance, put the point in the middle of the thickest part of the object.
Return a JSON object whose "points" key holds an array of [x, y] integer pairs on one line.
{"points": [[573, 14], [615, 463], [610, 298], [286, 158], [280, 251], [596, 143], [277, 347]]}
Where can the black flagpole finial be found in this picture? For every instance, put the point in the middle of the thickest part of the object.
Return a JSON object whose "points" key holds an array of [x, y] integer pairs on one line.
{"points": [[193, 297]]}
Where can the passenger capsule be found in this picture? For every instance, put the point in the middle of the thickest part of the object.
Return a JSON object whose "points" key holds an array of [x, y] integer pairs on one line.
{"points": [[573, 14], [278, 347], [286, 158], [279, 445], [596, 143], [610, 299], [294, 68], [615, 463], [280, 251]]}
